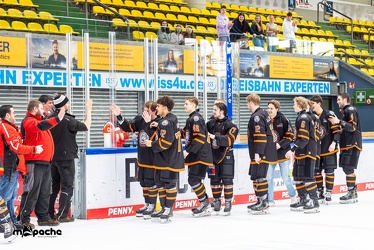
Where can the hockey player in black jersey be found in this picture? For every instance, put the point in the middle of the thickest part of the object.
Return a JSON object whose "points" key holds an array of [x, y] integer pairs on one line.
{"points": [[145, 175], [223, 133], [350, 145], [168, 154], [304, 152], [198, 155], [329, 136], [262, 152]]}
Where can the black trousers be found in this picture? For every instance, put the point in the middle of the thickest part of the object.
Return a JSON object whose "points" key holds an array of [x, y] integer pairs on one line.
{"points": [[36, 192], [63, 174]]}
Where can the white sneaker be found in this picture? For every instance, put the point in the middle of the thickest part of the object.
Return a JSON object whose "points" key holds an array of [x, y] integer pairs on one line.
{"points": [[294, 200], [272, 204]]}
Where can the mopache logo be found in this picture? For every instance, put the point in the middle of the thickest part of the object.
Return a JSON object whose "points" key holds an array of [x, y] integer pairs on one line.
{"points": [[28, 231]]}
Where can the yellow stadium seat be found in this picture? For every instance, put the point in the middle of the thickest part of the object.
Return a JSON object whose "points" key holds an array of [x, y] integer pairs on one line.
{"points": [[322, 39], [141, 5], [143, 25], [47, 16], [305, 31], [213, 22], [175, 9], [243, 8], [35, 27], [171, 17], [205, 12], [303, 23], [332, 20], [313, 32], [277, 13], [118, 3], [203, 20], [98, 11], [201, 29], [152, 6], [330, 34], [164, 8], [136, 14], [150, 35], [19, 26], [365, 70], [155, 25], [15, 13], [261, 11], [347, 43], [313, 38], [252, 9], [193, 20], [371, 72], [195, 11], [51, 28], [357, 52], [214, 13], [208, 5], [28, 3], [313, 25], [185, 10], [234, 7], [129, 4], [211, 30], [126, 12], [216, 5], [12, 3], [137, 35], [4, 25], [106, 2], [365, 53], [160, 16], [370, 24], [65, 29], [30, 14], [182, 18], [269, 12], [353, 61], [149, 15], [3, 13]]}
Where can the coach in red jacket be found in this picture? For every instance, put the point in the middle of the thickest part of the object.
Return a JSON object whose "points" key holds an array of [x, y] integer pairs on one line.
{"points": [[12, 160], [37, 183]]}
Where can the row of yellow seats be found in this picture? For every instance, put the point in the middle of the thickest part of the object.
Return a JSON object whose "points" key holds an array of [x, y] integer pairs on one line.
{"points": [[37, 27], [368, 71], [346, 21], [133, 5], [360, 30], [19, 3], [355, 52], [242, 8], [316, 33], [27, 14]]}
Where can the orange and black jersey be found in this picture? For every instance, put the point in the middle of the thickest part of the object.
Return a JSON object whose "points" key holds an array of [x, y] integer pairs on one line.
{"points": [[145, 132], [305, 140], [225, 132], [329, 133], [197, 141], [317, 128], [284, 134], [260, 137], [167, 146], [351, 129]]}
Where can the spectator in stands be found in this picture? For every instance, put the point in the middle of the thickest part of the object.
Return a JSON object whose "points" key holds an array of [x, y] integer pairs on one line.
{"points": [[170, 65], [271, 31], [189, 33], [239, 28], [177, 36], [289, 28], [163, 33], [223, 25], [56, 59], [258, 40]]}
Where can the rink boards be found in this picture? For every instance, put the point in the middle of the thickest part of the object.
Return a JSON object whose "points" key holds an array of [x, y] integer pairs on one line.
{"points": [[108, 188]]}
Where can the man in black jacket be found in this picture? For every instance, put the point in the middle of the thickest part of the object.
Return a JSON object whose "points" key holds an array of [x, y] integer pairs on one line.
{"points": [[66, 150]]}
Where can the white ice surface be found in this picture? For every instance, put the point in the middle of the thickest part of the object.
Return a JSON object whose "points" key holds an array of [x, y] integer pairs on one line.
{"points": [[336, 227]]}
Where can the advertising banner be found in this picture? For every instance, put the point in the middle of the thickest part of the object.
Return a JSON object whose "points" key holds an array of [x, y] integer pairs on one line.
{"points": [[50, 53], [12, 51]]}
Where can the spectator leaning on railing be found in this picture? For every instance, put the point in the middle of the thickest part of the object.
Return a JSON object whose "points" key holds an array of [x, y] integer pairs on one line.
{"points": [[239, 28], [163, 33]]}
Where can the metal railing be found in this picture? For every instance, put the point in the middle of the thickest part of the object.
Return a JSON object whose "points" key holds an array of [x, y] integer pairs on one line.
{"points": [[324, 4]]}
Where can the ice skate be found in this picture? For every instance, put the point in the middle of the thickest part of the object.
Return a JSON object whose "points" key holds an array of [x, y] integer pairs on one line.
{"points": [[8, 231], [261, 208], [147, 213], [157, 214], [227, 209], [299, 205], [249, 207], [328, 197], [203, 210], [167, 215], [321, 197], [216, 205], [140, 211], [312, 206], [350, 197]]}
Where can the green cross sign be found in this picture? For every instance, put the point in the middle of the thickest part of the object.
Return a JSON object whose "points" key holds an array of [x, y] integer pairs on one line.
{"points": [[364, 96]]}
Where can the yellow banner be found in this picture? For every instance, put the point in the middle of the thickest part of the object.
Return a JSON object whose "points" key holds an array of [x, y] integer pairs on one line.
{"points": [[291, 67], [189, 61], [127, 57], [12, 51]]}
